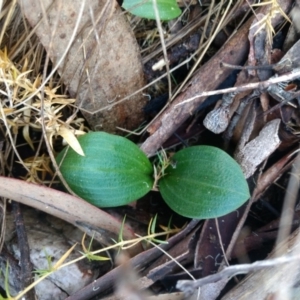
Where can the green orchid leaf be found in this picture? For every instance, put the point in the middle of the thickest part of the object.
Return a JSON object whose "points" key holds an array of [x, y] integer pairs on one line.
{"points": [[203, 182], [113, 172], [167, 9]]}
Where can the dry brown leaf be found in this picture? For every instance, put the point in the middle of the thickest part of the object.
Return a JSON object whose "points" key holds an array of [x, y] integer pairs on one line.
{"points": [[103, 63], [71, 140]]}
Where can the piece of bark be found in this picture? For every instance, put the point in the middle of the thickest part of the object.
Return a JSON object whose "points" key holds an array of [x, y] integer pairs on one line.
{"points": [[295, 15], [254, 240], [271, 282], [24, 260], [256, 151], [171, 296], [45, 240], [218, 119], [271, 175], [290, 61], [103, 63], [281, 288], [278, 282], [208, 77], [208, 252], [14, 270], [250, 114]]}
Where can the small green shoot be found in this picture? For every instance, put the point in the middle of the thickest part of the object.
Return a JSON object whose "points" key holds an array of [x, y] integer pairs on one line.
{"points": [[52, 268], [167, 229], [49, 270], [6, 284], [87, 252], [120, 238], [151, 231], [160, 167]]}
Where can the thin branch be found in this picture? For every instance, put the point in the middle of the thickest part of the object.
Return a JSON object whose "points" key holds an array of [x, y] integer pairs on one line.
{"points": [[251, 86], [189, 286]]}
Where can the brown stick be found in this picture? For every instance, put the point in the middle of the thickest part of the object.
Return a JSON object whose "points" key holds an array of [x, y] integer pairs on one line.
{"points": [[208, 77], [92, 220]]}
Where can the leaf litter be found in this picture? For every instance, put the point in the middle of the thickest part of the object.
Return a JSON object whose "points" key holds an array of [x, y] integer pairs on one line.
{"points": [[52, 110]]}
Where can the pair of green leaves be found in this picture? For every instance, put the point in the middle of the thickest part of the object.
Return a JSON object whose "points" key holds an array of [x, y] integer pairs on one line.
{"points": [[167, 9], [201, 182]]}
